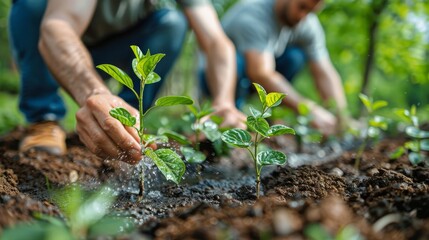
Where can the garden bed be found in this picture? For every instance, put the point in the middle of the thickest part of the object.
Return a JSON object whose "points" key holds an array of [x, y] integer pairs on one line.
{"points": [[384, 200]]}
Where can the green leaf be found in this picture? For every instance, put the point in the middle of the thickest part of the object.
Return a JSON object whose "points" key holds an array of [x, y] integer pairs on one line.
{"points": [[147, 65], [150, 138], [255, 112], [412, 145], [303, 109], [117, 74], [93, 209], [378, 122], [279, 129], [378, 104], [317, 232], [168, 162], [173, 100], [416, 133], [134, 65], [174, 135], [123, 116], [415, 158], [211, 130], [424, 145], [366, 101], [152, 78], [270, 157], [137, 52], [193, 110], [259, 125], [400, 151], [110, 226], [373, 132], [192, 156], [274, 99], [237, 137], [261, 92]]}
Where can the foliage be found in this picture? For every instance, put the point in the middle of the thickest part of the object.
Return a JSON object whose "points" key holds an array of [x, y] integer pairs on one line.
{"points": [[318, 232], [258, 124], [85, 217], [419, 138], [167, 161], [401, 53], [304, 133], [375, 123]]}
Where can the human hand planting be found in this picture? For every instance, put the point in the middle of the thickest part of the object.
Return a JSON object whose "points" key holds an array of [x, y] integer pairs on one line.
{"points": [[104, 135]]}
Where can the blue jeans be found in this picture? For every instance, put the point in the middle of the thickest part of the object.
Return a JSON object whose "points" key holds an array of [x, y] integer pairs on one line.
{"points": [[288, 64], [39, 96]]}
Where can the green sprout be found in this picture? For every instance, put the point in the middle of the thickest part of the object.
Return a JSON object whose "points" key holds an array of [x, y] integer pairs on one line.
{"points": [[419, 138], [304, 131], [210, 129], [375, 124], [258, 124], [86, 217], [167, 161], [318, 232]]}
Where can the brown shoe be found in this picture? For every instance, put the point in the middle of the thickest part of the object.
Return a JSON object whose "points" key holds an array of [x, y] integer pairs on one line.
{"points": [[45, 136]]}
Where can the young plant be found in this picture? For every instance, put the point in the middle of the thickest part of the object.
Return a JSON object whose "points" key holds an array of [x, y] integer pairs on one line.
{"points": [[191, 151], [318, 232], [167, 161], [258, 124], [375, 124], [304, 132], [86, 217], [419, 138]]}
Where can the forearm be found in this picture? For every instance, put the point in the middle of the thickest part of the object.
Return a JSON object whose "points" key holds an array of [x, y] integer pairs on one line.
{"points": [[221, 74], [69, 61], [328, 83]]}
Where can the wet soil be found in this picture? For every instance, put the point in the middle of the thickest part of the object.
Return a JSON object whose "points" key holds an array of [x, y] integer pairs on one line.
{"points": [[383, 200]]}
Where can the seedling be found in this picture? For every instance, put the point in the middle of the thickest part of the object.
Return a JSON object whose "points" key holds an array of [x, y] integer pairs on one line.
{"points": [[86, 217], [419, 138], [318, 232], [167, 161], [191, 151], [256, 123], [375, 124], [304, 132]]}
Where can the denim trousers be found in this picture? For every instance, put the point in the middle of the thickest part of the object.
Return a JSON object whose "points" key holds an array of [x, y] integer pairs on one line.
{"points": [[162, 31], [288, 64]]}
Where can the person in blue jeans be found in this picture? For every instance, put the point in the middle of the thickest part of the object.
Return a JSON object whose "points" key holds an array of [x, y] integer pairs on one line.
{"points": [[275, 39], [57, 43]]}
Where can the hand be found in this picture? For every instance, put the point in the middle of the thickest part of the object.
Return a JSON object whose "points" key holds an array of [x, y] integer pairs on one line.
{"points": [[324, 121], [232, 117], [104, 135]]}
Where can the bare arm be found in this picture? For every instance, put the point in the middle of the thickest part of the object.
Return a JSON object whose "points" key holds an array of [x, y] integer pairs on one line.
{"points": [[70, 62], [221, 64], [63, 51], [328, 83]]}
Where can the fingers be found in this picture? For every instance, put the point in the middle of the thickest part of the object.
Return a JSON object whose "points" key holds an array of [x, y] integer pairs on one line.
{"points": [[104, 135]]}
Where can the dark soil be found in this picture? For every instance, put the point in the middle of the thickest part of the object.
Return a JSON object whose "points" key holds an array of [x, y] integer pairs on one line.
{"points": [[383, 200]]}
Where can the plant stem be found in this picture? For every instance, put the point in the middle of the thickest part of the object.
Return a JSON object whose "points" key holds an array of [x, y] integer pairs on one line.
{"points": [[360, 152], [141, 134], [258, 181]]}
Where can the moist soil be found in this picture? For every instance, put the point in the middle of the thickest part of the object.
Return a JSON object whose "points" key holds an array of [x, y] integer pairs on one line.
{"points": [[384, 199]]}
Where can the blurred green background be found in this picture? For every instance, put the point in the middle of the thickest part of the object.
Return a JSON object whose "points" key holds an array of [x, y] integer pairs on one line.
{"points": [[380, 47]]}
